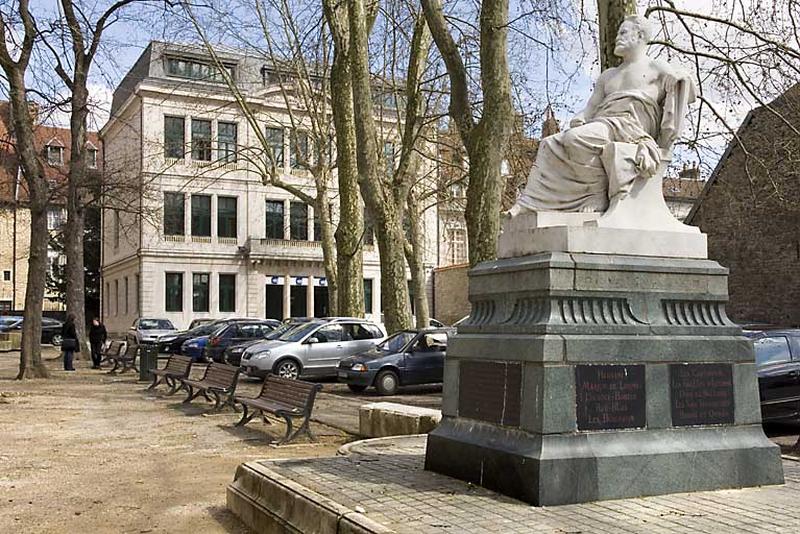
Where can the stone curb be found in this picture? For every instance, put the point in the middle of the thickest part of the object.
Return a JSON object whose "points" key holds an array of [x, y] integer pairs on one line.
{"points": [[268, 502]]}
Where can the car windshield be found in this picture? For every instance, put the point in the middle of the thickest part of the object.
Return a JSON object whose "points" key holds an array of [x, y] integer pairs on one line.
{"points": [[203, 329], [299, 331], [396, 342], [155, 324], [5, 321]]}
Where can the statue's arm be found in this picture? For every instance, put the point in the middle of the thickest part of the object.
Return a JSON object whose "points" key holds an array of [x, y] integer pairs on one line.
{"points": [[598, 95]]}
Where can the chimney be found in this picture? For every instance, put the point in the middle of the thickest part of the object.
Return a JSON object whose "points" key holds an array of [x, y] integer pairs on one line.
{"points": [[550, 125]]}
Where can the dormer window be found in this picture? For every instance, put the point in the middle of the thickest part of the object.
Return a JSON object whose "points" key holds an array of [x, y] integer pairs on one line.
{"points": [[91, 156], [55, 155], [196, 70]]}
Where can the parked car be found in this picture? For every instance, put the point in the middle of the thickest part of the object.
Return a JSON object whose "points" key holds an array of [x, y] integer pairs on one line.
{"points": [[406, 358], [51, 328], [200, 322], [147, 330], [237, 332], [233, 354], [311, 349], [778, 370], [195, 347], [172, 343]]}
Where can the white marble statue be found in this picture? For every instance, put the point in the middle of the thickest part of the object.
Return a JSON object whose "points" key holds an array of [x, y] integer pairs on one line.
{"points": [[625, 132]]}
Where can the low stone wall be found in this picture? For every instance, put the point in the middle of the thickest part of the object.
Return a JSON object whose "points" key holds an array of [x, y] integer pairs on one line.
{"points": [[382, 419]]}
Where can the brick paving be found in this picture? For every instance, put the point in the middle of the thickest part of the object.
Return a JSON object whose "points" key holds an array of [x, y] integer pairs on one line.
{"points": [[386, 479]]}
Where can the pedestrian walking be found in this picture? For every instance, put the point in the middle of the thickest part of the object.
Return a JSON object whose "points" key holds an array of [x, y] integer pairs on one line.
{"points": [[97, 338], [70, 344]]}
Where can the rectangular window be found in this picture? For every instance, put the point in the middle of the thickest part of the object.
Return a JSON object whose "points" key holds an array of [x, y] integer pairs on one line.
{"points": [[369, 229], [5, 305], [200, 292], [201, 140], [116, 297], [226, 216], [107, 294], [173, 294], [227, 136], [298, 149], [298, 221], [174, 137], [91, 158], [136, 295], [174, 214], [317, 227], [457, 241], [55, 218], [227, 292], [388, 157], [368, 295], [201, 215], [6, 276], [116, 229], [275, 145], [126, 295], [275, 219], [197, 70], [55, 155]]}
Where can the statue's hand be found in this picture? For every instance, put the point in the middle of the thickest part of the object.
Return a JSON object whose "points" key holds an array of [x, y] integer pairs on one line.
{"points": [[670, 82], [647, 158], [577, 120]]}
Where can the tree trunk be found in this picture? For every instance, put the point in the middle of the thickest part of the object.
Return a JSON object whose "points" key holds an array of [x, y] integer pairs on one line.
{"points": [[611, 14], [377, 196], [74, 228], [30, 361], [350, 230], [323, 214], [415, 255]]}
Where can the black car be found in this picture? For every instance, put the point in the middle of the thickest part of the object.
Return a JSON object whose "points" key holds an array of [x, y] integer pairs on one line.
{"points": [[51, 328], [778, 370], [233, 354], [171, 343], [235, 333], [406, 358]]}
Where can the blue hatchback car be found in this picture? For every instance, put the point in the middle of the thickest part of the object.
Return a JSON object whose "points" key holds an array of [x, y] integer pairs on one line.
{"points": [[195, 348]]}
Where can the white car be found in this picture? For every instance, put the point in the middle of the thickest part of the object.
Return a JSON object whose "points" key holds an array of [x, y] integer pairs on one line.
{"points": [[147, 330]]}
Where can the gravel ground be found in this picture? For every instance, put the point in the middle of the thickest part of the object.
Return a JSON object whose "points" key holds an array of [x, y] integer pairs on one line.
{"points": [[91, 452]]}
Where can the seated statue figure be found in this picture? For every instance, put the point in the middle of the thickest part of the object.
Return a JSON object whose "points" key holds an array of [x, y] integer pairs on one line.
{"points": [[641, 103]]}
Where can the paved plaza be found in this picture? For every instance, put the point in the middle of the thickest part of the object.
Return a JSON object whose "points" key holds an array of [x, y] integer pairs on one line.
{"points": [[384, 482]]}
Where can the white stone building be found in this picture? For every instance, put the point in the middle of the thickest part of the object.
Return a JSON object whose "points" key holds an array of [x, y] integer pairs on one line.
{"points": [[209, 239]]}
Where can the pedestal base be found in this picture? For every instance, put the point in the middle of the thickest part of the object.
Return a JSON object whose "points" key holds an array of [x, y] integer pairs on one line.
{"points": [[591, 377]]}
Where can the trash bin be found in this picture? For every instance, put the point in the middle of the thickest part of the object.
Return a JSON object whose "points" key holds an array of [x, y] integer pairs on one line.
{"points": [[148, 360]]}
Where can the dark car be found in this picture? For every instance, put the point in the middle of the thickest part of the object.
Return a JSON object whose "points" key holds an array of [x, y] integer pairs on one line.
{"points": [[171, 343], [51, 328], [233, 354], [406, 358], [235, 333], [778, 370]]}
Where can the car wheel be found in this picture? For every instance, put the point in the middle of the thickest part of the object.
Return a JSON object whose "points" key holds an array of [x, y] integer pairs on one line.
{"points": [[387, 383], [356, 388], [56, 340], [287, 369]]}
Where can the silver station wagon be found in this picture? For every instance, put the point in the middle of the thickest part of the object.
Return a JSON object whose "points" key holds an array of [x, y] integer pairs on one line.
{"points": [[311, 349]]}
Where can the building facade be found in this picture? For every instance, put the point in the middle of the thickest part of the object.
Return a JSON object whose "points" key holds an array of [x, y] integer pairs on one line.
{"points": [[749, 210], [53, 145], [204, 236]]}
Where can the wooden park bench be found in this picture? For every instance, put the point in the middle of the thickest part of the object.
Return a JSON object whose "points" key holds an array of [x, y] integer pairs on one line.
{"points": [[219, 379], [126, 359], [282, 397], [111, 351], [177, 368]]}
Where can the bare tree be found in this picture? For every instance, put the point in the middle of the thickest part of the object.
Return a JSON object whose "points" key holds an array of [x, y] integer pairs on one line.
{"points": [[378, 194], [30, 365], [611, 13], [74, 40], [484, 138]]}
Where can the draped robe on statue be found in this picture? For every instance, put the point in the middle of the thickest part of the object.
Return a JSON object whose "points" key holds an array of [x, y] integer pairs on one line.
{"points": [[569, 173]]}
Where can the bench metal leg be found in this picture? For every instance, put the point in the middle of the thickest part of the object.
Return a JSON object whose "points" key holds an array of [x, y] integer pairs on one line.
{"points": [[190, 393], [174, 385], [156, 381], [305, 428], [247, 416], [113, 370]]}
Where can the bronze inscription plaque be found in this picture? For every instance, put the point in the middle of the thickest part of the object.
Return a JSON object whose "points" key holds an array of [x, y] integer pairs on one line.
{"points": [[610, 396], [701, 394]]}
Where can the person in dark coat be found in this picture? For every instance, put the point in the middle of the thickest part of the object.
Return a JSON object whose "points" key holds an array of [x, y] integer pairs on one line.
{"points": [[70, 344], [97, 338]]}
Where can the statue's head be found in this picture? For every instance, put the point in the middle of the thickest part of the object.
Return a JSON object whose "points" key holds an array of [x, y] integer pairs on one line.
{"points": [[634, 33]]}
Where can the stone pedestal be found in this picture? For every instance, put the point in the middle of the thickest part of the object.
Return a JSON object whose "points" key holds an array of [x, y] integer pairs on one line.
{"points": [[583, 377]]}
